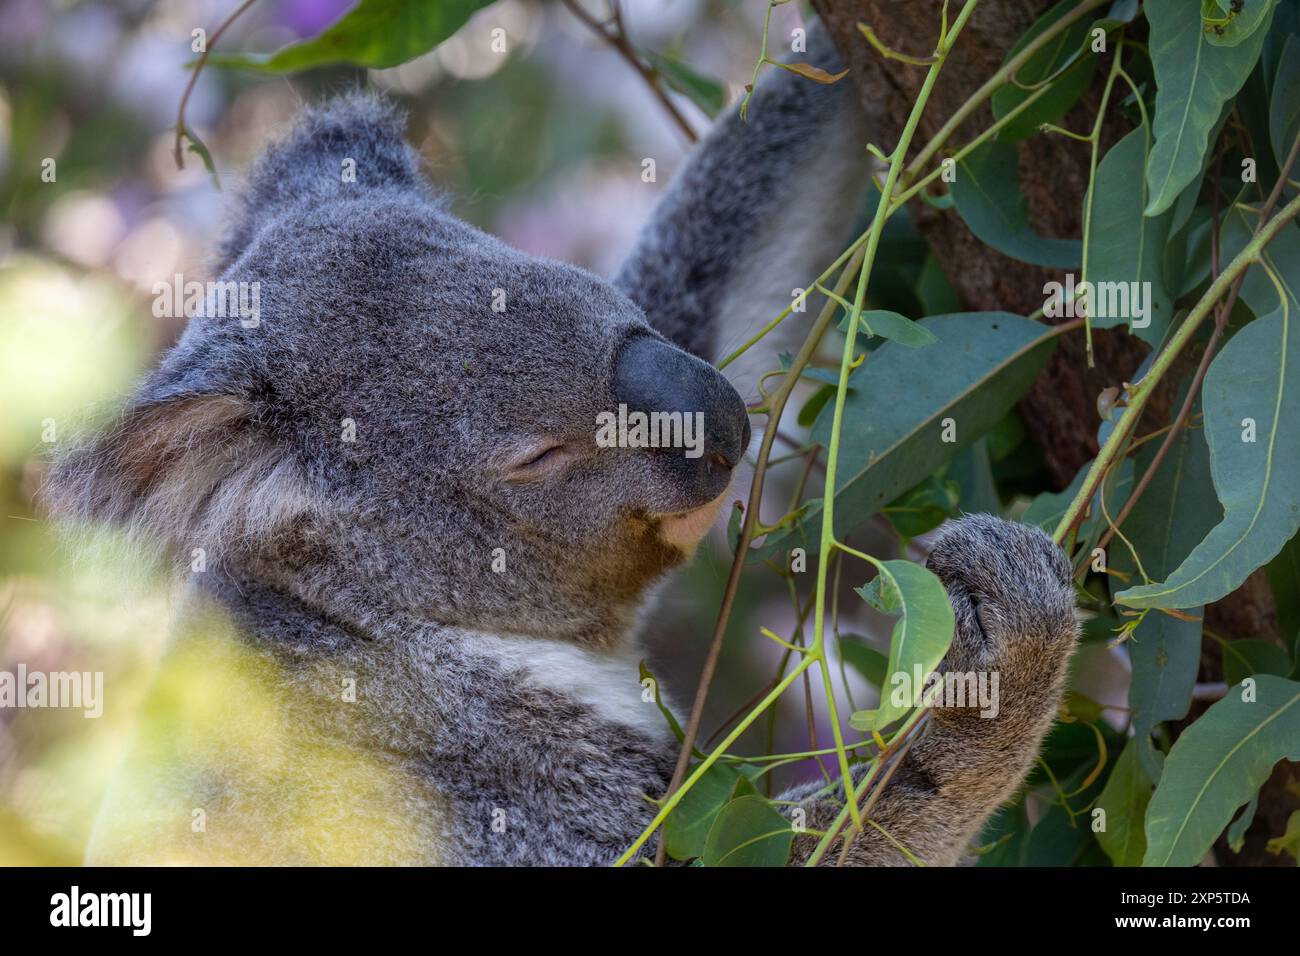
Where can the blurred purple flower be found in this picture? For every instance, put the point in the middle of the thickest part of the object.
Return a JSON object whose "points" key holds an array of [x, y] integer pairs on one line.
{"points": [[309, 17]]}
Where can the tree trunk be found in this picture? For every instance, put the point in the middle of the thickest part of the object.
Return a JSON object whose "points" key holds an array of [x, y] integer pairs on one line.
{"points": [[1060, 411]]}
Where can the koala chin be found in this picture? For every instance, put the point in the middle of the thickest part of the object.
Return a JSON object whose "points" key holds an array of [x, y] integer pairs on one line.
{"points": [[415, 636]]}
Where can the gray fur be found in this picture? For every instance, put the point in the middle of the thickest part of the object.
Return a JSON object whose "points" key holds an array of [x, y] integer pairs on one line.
{"points": [[496, 717]]}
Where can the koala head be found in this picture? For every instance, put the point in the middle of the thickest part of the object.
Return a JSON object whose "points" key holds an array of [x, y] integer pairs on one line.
{"points": [[408, 423]]}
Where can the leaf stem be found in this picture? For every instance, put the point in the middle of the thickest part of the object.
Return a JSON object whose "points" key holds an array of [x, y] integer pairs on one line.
{"points": [[846, 365], [1141, 392]]}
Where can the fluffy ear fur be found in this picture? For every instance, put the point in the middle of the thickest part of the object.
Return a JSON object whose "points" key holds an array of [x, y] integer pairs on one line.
{"points": [[308, 165], [194, 471]]}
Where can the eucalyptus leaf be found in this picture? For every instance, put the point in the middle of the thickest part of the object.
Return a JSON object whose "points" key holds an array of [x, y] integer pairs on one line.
{"points": [[1005, 837], [895, 327], [748, 832], [864, 659], [920, 640], [893, 429], [373, 33], [1284, 105], [1058, 839], [1289, 841], [1065, 52], [982, 364], [1284, 581], [1194, 80], [972, 470], [1230, 22], [1251, 656], [687, 827], [1125, 798], [987, 195], [704, 91], [922, 508], [1217, 765], [1237, 832], [1125, 254], [1252, 390]]}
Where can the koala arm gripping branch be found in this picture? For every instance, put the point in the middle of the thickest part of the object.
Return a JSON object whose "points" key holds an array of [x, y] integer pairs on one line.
{"points": [[1015, 630], [764, 204]]}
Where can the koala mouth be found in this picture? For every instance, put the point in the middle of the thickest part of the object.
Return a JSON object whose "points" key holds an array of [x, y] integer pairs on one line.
{"points": [[685, 529]]}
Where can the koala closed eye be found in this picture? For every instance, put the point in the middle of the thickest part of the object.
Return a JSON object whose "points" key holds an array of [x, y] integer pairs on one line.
{"points": [[539, 461]]}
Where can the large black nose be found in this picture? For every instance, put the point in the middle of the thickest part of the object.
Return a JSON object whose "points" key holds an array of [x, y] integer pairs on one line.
{"points": [[652, 376]]}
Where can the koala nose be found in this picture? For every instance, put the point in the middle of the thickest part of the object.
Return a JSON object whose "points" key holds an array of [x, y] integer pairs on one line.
{"points": [[652, 376]]}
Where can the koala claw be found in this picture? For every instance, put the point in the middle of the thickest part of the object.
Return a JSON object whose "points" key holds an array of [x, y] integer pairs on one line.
{"points": [[1011, 592]]}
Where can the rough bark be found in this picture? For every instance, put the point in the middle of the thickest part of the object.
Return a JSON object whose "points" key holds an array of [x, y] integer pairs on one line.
{"points": [[1060, 411]]}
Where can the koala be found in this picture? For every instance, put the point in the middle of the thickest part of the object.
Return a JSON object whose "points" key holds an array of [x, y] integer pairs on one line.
{"points": [[416, 634]]}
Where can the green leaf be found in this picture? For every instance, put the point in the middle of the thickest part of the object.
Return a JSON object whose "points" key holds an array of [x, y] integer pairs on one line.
{"points": [[1164, 654], [1005, 837], [687, 827], [704, 91], [1255, 377], [973, 472], [866, 660], [893, 429], [374, 33], [200, 149], [748, 832], [1289, 841], [673, 725], [920, 639], [983, 363], [813, 407], [1216, 765], [1194, 80], [1177, 510], [1284, 107], [1058, 839], [1125, 248], [987, 194], [1048, 508], [1284, 581], [1237, 832], [1125, 798], [1251, 656], [922, 508], [933, 289], [1230, 22], [892, 326], [1064, 49]]}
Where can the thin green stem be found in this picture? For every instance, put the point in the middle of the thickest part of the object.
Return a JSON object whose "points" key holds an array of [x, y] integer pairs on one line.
{"points": [[675, 797], [846, 366], [1141, 392], [995, 82]]}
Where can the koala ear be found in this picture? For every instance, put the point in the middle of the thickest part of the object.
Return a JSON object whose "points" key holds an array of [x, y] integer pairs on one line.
{"points": [[194, 470], [341, 149]]}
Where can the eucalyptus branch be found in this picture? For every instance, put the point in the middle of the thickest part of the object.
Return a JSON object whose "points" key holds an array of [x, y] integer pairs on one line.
{"points": [[1198, 378], [827, 541], [995, 82], [182, 130], [859, 263], [1141, 392], [618, 39], [1094, 139], [910, 728], [774, 408]]}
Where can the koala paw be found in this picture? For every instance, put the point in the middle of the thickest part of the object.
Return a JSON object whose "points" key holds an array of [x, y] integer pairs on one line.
{"points": [[1011, 592]]}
